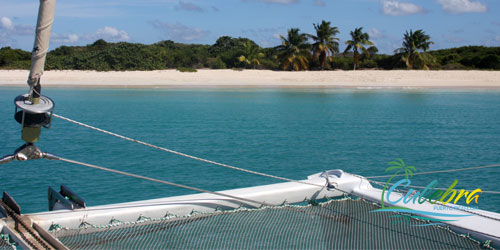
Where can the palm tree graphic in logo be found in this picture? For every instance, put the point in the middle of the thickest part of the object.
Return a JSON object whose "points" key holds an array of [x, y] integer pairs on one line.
{"points": [[398, 166]]}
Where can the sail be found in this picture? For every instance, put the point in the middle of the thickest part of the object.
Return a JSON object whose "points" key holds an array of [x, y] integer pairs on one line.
{"points": [[41, 46]]}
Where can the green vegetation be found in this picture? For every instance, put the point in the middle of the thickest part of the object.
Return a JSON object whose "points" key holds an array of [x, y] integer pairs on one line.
{"points": [[253, 54], [14, 58], [325, 43], [295, 53], [359, 38], [184, 69], [469, 57], [413, 43]]}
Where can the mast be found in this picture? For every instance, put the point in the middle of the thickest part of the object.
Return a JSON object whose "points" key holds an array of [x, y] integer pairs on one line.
{"points": [[42, 37], [34, 111]]}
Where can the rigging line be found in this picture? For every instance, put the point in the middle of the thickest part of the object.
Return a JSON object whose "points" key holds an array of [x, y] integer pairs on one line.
{"points": [[184, 155], [411, 186], [54, 157], [438, 171]]}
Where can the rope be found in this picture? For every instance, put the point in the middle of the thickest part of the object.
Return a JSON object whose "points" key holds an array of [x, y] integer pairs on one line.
{"points": [[382, 184], [54, 157], [182, 154], [251, 171], [438, 171]]}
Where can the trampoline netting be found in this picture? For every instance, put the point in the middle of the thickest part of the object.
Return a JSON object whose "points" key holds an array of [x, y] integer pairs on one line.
{"points": [[345, 224], [5, 243]]}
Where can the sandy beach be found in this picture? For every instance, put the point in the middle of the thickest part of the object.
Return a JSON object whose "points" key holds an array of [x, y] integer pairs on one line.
{"points": [[206, 78]]}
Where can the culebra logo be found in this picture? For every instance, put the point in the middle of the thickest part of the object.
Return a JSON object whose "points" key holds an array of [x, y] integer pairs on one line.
{"points": [[430, 200]]}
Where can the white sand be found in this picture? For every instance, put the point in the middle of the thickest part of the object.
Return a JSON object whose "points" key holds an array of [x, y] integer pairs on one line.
{"points": [[260, 78]]}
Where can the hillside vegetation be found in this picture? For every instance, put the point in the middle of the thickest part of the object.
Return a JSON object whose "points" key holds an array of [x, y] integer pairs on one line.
{"points": [[230, 53]]}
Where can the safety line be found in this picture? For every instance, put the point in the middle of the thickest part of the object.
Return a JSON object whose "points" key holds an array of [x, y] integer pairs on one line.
{"points": [[55, 157], [183, 154], [251, 171]]}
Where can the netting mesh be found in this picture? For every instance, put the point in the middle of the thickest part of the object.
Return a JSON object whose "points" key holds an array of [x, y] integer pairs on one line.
{"points": [[4, 243], [345, 224]]}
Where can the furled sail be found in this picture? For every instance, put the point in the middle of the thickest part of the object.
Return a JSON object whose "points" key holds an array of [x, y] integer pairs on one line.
{"points": [[41, 46]]}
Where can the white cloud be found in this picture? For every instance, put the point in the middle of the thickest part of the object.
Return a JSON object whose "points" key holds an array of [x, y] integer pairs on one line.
{"points": [[11, 28], [72, 38], [375, 33], [64, 38], [179, 32], [397, 8], [6, 23], [462, 6], [10, 31], [265, 37], [110, 34]]}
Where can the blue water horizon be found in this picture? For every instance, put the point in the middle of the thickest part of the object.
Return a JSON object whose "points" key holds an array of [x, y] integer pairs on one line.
{"points": [[291, 133]]}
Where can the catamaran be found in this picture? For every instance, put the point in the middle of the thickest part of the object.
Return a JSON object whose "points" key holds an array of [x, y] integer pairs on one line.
{"points": [[332, 209]]}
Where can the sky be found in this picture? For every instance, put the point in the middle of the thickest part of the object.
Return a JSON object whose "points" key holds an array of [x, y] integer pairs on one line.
{"points": [[450, 23]]}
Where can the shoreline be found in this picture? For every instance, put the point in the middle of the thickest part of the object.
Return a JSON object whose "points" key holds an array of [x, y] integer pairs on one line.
{"points": [[207, 78]]}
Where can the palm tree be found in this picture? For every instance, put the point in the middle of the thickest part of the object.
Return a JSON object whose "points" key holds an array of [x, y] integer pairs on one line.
{"points": [[253, 54], [294, 51], [412, 44], [359, 38], [325, 43], [398, 165]]}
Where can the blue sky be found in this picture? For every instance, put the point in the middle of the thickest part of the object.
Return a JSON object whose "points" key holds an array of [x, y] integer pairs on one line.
{"points": [[450, 23]]}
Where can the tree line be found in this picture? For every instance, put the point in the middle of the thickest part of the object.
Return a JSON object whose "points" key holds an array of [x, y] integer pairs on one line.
{"points": [[298, 51]]}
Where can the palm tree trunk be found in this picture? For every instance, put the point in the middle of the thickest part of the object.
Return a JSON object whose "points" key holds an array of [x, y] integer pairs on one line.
{"points": [[356, 59], [411, 61], [322, 60]]}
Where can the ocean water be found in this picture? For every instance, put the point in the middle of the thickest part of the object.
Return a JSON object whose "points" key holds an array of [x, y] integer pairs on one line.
{"points": [[286, 132]]}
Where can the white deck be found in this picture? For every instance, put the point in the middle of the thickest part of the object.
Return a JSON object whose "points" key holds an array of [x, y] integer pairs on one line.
{"points": [[482, 225], [276, 194]]}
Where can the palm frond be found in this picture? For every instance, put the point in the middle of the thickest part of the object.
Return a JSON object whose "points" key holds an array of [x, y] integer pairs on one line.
{"points": [[349, 47], [413, 43], [292, 48], [392, 168], [358, 39]]}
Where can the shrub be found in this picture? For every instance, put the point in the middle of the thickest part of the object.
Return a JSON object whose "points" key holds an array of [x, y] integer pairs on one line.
{"points": [[186, 69], [368, 64], [489, 62], [454, 66], [345, 63], [215, 63]]}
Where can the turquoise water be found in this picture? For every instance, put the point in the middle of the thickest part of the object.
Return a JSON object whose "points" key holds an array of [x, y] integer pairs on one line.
{"points": [[290, 133]]}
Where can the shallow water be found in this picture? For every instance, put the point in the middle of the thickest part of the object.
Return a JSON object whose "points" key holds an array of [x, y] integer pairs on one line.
{"points": [[284, 132]]}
